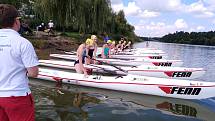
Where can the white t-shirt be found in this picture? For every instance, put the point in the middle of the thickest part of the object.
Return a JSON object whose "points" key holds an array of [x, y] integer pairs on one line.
{"points": [[51, 24], [16, 54]]}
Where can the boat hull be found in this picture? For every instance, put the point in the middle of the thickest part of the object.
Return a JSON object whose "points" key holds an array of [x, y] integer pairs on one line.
{"points": [[183, 89], [163, 72], [136, 62]]}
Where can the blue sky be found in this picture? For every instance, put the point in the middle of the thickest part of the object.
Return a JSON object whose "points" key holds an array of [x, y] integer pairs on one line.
{"points": [[155, 18]]}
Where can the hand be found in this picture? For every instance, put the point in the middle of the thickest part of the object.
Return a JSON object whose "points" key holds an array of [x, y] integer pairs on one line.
{"points": [[85, 74]]}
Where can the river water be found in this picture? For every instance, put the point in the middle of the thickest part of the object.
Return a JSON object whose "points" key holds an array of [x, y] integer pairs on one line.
{"points": [[55, 102]]}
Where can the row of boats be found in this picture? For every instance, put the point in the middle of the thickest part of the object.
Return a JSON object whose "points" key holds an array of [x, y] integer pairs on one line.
{"points": [[142, 70]]}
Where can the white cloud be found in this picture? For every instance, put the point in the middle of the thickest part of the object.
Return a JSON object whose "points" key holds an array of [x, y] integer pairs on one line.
{"points": [[132, 9], [210, 4], [117, 7], [213, 21], [159, 5], [141, 12], [148, 14], [114, 2], [196, 29], [154, 29], [199, 10], [181, 24], [200, 28], [139, 27]]}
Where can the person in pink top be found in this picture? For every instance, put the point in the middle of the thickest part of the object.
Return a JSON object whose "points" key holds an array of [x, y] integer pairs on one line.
{"points": [[18, 60]]}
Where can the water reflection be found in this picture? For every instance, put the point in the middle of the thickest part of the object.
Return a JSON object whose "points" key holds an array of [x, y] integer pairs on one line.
{"points": [[54, 104], [179, 109]]}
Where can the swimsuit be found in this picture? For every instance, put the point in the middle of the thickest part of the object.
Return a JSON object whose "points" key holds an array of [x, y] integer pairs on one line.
{"points": [[90, 53], [106, 51]]}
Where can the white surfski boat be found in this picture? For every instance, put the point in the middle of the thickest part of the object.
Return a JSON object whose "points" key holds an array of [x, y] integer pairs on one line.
{"points": [[137, 51], [140, 53], [134, 56], [136, 62], [143, 70], [131, 55], [174, 88]]}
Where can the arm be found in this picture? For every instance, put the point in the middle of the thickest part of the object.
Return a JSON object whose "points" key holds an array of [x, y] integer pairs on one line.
{"points": [[80, 58], [122, 46], [29, 59], [95, 51], [87, 50], [117, 47], [33, 71], [81, 65], [103, 47], [109, 53]]}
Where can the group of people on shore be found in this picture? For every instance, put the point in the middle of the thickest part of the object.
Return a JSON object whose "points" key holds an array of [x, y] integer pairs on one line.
{"points": [[87, 52], [49, 28]]}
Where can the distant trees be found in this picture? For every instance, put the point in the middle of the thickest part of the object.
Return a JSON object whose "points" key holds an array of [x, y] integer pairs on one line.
{"points": [[197, 38], [83, 16]]}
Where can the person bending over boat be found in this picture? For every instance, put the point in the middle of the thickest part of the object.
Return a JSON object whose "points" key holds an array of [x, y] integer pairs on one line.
{"points": [[128, 46], [81, 55], [113, 48], [118, 46], [123, 45], [106, 50]]}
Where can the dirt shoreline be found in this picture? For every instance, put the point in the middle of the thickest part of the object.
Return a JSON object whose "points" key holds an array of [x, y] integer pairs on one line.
{"points": [[45, 44]]}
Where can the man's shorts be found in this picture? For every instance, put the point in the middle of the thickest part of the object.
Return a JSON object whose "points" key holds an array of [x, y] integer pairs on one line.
{"points": [[19, 108]]}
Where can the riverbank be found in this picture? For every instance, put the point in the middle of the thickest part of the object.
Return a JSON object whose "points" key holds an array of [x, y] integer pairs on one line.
{"points": [[45, 44], [67, 40]]}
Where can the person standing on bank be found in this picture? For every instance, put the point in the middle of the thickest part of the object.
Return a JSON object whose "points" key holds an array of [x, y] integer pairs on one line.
{"points": [[18, 60], [50, 27]]}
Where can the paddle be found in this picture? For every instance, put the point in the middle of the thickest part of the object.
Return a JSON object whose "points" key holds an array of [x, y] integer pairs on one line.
{"points": [[108, 71], [102, 62], [111, 65]]}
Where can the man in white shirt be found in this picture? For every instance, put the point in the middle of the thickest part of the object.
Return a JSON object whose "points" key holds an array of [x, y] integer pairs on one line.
{"points": [[17, 61], [51, 26]]}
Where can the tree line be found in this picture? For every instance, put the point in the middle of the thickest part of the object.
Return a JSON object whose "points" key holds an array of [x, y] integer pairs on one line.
{"points": [[83, 16], [197, 38]]}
